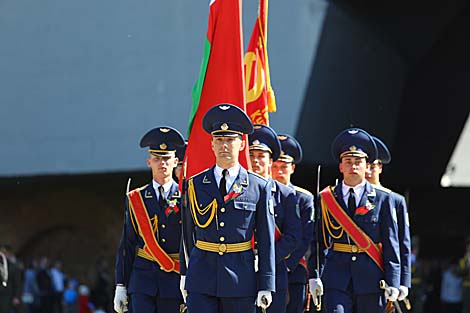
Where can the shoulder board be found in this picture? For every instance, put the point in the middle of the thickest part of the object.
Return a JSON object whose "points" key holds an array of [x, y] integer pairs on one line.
{"points": [[138, 189], [203, 171], [380, 187], [257, 175], [333, 188], [302, 190]]}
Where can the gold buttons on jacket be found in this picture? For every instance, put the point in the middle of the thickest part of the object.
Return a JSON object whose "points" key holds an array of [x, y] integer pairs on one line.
{"points": [[353, 258], [222, 224], [354, 248], [222, 210], [222, 239], [163, 240], [163, 226]]}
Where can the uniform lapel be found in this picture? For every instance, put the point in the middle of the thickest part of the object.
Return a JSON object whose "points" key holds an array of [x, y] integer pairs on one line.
{"points": [[209, 184]]}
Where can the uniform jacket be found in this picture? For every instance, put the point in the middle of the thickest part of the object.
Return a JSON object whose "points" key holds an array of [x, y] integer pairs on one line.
{"points": [[298, 273], [231, 274], [339, 269], [288, 222], [139, 274]]}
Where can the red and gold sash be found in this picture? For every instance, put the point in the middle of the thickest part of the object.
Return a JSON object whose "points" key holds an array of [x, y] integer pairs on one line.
{"points": [[361, 239], [136, 204]]}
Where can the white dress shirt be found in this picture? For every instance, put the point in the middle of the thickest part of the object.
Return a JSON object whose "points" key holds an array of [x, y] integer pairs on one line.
{"points": [[230, 178], [358, 191]]}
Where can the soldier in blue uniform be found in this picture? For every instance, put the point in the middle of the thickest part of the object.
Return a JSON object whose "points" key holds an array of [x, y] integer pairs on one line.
{"points": [[264, 149], [359, 232], [373, 177], [180, 151], [283, 168], [226, 205], [147, 260]]}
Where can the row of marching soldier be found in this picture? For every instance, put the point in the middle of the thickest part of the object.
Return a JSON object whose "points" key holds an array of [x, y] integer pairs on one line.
{"points": [[237, 241]]}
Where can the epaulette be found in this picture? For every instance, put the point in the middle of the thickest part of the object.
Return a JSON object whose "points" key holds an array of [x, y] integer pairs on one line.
{"points": [[205, 170], [302, 190], [138, 189], [382, 188], [257, 175]]}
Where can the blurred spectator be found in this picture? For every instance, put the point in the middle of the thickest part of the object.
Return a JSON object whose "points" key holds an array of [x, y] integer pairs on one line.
{"points": [[83, 300], [10, 294], [58, 279], [46, 290], [102, 287], [71, 297], [451, 289], [30, 295]]}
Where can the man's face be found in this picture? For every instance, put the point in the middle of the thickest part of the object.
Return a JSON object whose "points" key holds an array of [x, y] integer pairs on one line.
{"points": [[261, 162], [162, 166], [353, 169], [373, 173], [282, 171], [226, 149]]}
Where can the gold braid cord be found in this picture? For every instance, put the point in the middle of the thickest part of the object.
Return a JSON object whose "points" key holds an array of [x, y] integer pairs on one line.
{"points": [[193, 206], [328, 224]]}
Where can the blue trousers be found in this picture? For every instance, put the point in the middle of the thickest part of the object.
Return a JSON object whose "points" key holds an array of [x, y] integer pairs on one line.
{"points": [[297, 297], [142, 303], [345, 301], [202, 303]]}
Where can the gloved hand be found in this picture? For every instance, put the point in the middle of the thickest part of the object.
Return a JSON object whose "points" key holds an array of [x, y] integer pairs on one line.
{"points": [[316, 289], [264, 299], [391, 294], [256, 263], [120, 299], [403, 293], [184, 292]]}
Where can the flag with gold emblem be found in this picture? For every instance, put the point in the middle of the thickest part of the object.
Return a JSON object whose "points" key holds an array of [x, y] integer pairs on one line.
{"points": [[221, 80], [259, 93]]}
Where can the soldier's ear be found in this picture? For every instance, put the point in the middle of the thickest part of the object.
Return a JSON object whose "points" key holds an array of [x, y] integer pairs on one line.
{"points": [[242, 146], [148, 162]]}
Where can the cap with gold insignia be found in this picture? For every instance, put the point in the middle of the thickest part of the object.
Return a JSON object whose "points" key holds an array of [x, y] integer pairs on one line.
{"points": [[383, 154], [226, 120], [291, 151], [354, 142], [162, 141], [265, 138]]}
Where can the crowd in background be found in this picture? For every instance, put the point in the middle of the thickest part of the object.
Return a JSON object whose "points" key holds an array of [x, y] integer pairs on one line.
{"points": [[41, 286]]}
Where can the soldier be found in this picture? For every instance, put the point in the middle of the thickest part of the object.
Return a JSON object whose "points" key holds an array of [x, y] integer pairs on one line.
{"points": [[360, 232], [147, 261], [180, 151], [226, 204], [264, 149], [373, 177], [283, 168]]}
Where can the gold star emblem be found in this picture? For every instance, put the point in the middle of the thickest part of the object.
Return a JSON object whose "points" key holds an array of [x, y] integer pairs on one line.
{"points": [[163, 146], [352, 148], [224, 126]]}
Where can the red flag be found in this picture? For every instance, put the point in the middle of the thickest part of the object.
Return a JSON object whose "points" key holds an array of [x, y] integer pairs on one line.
{"points": [[259, 93], [221, 80]]}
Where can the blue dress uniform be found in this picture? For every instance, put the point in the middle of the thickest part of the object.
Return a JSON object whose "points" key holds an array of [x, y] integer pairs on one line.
{"points": [[218, 232], [350, 276], [288, 226], [296, 263], [151, 288], [404, 237]]}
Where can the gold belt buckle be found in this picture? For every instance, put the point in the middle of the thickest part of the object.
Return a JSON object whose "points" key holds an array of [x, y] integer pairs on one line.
{"points": [[222, 248], [354, 248]]}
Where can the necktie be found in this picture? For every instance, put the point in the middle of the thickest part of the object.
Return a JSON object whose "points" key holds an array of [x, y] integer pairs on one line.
{"points": [[223, 184], [161, 197], [351, 201]]}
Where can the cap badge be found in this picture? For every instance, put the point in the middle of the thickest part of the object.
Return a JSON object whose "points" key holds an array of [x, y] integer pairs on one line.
{"points": [[164, 130], [224, 107], [163, 146], [353, 148], [224, 126], [353, 131], [282, 137], [257, 127], [256, 142]]}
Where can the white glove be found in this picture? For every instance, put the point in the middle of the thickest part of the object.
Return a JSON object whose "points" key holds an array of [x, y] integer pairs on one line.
{"points": [[184, 292], [316, 289], [120, 299], [266, 296], [391, 294], [403, 293], [256, 263]]}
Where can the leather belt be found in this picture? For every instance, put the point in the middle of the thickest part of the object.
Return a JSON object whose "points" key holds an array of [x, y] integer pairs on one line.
{"points": [[222, 248], [344, 247]]}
